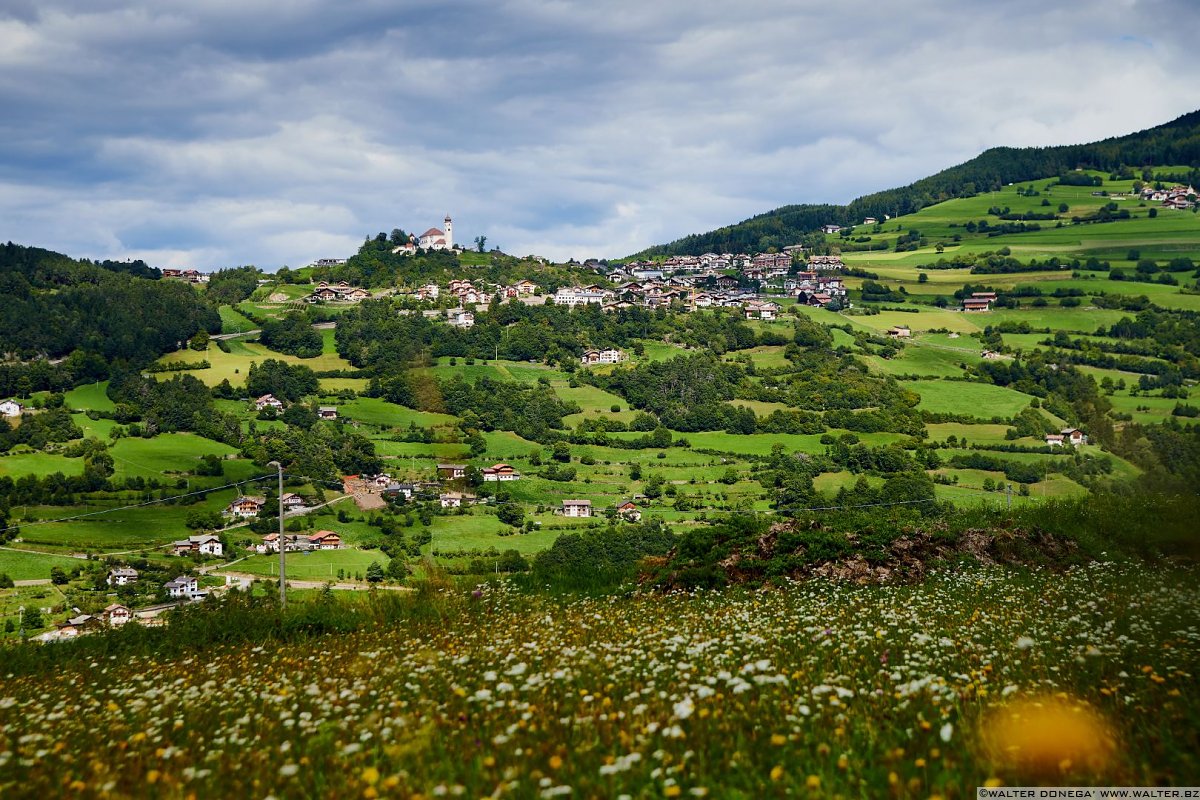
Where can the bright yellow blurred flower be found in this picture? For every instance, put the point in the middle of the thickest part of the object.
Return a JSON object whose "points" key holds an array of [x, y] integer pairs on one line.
{"points": [[556, 762], [776, 772], [370, 775], [672, 791], [778, 739], [813, 782], [1036, 736]]}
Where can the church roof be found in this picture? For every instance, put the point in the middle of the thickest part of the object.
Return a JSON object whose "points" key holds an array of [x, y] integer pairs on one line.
{"points": [[432, 232]]}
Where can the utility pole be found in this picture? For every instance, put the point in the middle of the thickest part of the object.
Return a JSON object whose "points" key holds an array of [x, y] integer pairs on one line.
{"points": [[282, 544], [1008, 494]]}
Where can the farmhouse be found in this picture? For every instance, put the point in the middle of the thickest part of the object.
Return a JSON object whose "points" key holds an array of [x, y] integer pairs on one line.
{"points": [[900, 332], [460, 318], [327, 412], [291, 541], [452, 471], [325, 540], [116, 614], [1074, 436], [576, 508], [121, 576], [500, 472], [628, 510], [183, 586], [451, 499], [976, 304], [1054, 439], [76, 626], [204, 544], [830, 228], [268, 401], [293, 502], [341, 292], [396, 489], [757, 310], [11, 408], [525, 287], [610, 356], [245, 507]]}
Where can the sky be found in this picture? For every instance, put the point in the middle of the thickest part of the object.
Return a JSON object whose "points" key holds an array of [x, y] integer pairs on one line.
{"points": [[215, 133]]}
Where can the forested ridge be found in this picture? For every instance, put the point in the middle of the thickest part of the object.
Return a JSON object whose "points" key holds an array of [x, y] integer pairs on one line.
{"points": [[91, 313], [1176, 142]]}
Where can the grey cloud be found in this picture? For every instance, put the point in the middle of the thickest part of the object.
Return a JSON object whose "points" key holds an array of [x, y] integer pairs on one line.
{"points": [[238, 131]]}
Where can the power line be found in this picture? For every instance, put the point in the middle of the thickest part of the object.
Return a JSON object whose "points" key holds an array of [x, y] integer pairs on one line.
{"points": [[135, 505]]}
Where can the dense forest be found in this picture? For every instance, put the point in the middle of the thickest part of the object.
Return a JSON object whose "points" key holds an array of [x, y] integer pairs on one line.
{"points": [[91, 313], [1176, 142]]}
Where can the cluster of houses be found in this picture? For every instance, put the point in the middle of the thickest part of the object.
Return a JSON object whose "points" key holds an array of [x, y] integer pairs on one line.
{"points": [[300, 542], [340, 292], [189, 275], [270, 401], [1178, 197]]}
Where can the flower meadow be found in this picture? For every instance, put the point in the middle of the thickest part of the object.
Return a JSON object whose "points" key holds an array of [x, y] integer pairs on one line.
{"points": [[976, 676]]}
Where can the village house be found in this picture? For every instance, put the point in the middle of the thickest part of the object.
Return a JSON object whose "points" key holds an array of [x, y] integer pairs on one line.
{"points": [[452, 471], [429, 291], [407, 248], [576, 508], [759, 310], [189, 275], [979, 301], [525, 287], [830, 229], [293, 502], [578, 296], [395, 489], [460, 318], [609, 356], [329, 262], [204, 544], [121, 576], [11, 408], [341, 292], [452, 499], [77, 626], [825, 263], [1054, 439], [245, 507], [870, 221], [1075, 436], [899, 332], [628, 510], [268, 401], [182, 586], [500, 472], [327, 412], [116, 615], [326, 540]]}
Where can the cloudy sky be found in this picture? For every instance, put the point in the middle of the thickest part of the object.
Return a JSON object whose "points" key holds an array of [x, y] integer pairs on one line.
{"points": [[212, 133]]}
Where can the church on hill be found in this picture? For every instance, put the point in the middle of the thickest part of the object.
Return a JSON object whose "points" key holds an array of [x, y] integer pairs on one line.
{"points": [[434, 239]]}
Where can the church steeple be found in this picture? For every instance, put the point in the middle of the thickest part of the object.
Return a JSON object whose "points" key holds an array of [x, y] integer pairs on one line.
{"points": [[449, 230]]}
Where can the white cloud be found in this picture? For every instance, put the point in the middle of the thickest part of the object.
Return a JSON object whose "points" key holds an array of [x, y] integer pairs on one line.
{"points": [[250, 132]]}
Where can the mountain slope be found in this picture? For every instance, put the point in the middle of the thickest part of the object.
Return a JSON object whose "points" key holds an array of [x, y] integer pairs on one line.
{"points": [[1176, 142]]}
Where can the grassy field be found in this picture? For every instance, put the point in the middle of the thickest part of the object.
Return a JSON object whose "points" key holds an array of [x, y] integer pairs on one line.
{"points": [[373, 411], [234, 365], [22, 566], [982, 400], [90, 396], [233, 321], [825, 689], [314, 566]]}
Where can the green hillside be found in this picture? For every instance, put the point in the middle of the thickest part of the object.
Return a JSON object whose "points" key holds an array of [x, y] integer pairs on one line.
{"points": [[1176, 142]]}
